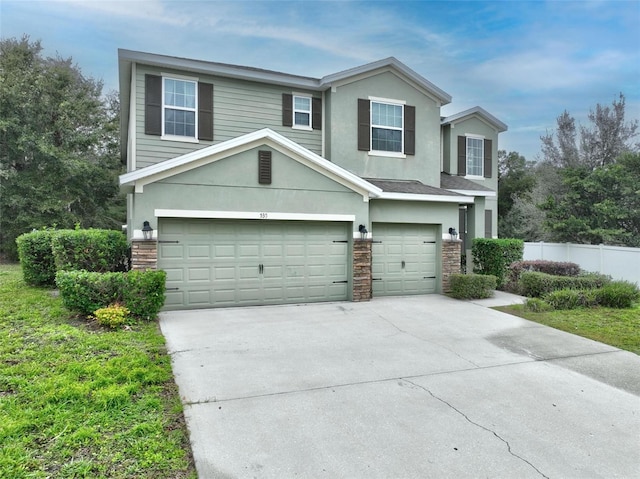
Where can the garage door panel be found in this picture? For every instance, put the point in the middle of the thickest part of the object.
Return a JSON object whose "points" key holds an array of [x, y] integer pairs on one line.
{"points": [[199, 274], [403, 259], [225, 263]]}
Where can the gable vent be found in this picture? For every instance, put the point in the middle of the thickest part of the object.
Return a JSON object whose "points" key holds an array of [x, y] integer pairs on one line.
{"points": [[264, 167]]}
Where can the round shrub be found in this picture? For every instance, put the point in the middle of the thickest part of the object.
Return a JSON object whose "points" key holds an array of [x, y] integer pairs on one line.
{"points": [[91, 250], [618, 294], [113, 316]]}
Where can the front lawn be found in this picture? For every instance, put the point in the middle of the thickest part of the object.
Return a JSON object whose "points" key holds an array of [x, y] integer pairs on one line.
{"points": [[616, 327], [77, 400]]}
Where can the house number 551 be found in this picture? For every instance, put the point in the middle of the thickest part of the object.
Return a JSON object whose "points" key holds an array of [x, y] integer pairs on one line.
{"points": [[263, 216]]}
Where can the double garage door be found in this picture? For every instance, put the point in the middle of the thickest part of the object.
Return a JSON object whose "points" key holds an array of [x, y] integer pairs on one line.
{"points": [[404, 259], [212, 263]]}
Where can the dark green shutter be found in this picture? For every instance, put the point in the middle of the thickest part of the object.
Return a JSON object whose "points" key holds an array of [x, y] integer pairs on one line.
{"points": [[462, 156], [409, 130], [153, 105], [205, 111], [364, 125], [316, 108], [488, 159], [287, 109]]}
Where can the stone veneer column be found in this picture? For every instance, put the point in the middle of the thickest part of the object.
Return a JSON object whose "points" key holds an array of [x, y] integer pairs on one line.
{"points": [[451, 251], [144, 255], [361, 270]]}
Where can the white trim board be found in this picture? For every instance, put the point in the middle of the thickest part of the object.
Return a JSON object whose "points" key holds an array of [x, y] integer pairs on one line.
{"points": [[251, 215]]}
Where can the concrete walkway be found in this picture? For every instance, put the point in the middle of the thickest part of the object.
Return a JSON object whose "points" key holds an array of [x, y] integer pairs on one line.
{"points": [[410, 387]]}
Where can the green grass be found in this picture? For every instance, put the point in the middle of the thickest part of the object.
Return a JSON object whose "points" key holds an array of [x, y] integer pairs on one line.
{"points": [[81, 401], [616, 327]]}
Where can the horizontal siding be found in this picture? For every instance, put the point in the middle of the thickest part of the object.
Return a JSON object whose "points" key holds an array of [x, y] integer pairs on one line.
{"points": [[239, 107]]}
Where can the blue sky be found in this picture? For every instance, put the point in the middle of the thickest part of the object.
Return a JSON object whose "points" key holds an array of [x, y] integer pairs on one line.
{"points": [[525, 62]]}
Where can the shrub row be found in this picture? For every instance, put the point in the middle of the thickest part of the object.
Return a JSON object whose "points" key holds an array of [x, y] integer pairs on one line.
{"points": [[556, 268], [536, 285], [141, 292], [44, 252], [472, 286], [616, 294], [493, 256]]}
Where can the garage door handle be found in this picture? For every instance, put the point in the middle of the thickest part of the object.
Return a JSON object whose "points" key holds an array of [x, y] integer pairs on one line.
{"points": [[260, 268], [403, 264]]}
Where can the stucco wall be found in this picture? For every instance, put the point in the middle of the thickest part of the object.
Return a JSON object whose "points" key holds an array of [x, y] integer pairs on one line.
{"points": [[342, 125]]}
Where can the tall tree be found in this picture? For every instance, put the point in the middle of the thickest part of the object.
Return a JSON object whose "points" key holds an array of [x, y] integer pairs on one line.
{"points": [[599, 144], [515, 180], [58, 135], [600, 206]]}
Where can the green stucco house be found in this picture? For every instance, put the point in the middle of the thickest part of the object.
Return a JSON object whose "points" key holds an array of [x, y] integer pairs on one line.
{"points": [[263, 187]]}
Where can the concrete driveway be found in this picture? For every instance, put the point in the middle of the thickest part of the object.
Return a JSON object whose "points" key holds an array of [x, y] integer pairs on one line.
{"points": [[406, 387]]}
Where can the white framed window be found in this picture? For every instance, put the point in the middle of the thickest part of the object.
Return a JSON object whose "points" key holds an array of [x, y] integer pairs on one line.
{"points": [[475, 156], [302, 112], [179, 108], [387, 125]]}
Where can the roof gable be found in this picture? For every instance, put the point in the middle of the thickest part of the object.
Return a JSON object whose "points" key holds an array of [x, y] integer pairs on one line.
{"points": [[477, 112], [138, 178]]}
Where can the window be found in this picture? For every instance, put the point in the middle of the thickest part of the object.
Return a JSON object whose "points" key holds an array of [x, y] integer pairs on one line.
{"points": [[179, 107], [302, 111], [475, 156], [386, 127]]}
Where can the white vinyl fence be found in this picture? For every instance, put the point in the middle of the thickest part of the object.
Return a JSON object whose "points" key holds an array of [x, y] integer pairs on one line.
{"points": [[617, 261]]}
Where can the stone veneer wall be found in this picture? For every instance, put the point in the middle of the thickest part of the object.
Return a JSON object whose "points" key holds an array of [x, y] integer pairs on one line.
{"points": [[144, 255], [451, 251], [362, 270]]}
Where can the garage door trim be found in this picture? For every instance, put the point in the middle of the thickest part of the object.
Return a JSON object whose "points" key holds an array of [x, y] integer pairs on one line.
{"points": [[251, 215]]}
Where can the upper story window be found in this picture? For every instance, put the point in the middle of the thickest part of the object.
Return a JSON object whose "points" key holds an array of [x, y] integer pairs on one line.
{"points": [[179, 107], [302, 111], [475, 156], [386, 127]]}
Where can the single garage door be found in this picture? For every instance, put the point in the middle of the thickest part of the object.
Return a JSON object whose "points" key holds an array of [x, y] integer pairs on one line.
{"points": [[404, 259], [212, 263]]}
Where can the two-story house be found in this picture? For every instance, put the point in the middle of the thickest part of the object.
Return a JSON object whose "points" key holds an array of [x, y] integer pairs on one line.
{"points": [[259, 187]]}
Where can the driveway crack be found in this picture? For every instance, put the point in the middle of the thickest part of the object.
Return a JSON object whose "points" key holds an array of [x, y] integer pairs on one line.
{"points": [[451, 406]]}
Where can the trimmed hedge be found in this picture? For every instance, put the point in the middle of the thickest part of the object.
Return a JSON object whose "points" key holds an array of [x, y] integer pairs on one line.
{"points": [[36, 259], [472, 286], [493, 256], [90, 250], [141, 292], [537, 285], [555, 268]]}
